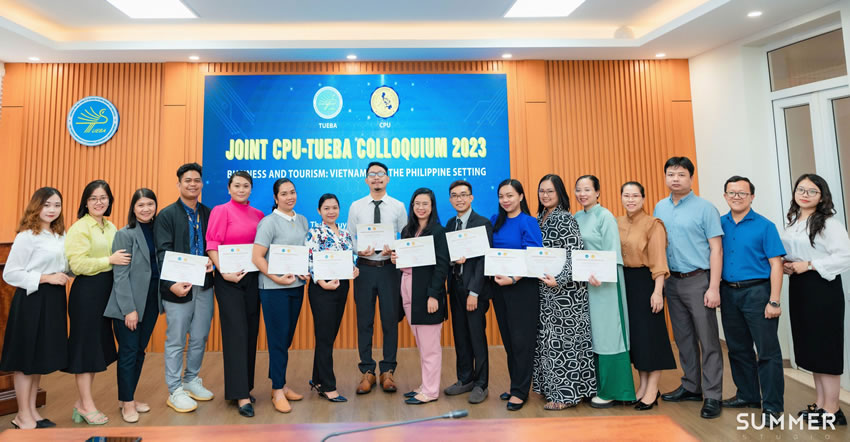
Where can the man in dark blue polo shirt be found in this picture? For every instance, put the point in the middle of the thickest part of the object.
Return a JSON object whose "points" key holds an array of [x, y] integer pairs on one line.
{"points": [[749, 293]]}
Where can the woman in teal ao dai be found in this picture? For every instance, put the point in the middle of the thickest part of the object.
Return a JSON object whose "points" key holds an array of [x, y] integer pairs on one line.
{"points": [[608, 318]]}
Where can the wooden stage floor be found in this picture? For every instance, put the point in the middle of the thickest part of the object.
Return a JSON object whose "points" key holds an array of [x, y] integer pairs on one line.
{"points": [[383, 407]]}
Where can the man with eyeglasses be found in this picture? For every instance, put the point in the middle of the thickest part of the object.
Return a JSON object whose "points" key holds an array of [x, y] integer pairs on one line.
{"points": [[379, 280], [749, 293], [181, 227], [469, 301], [695, 258]]}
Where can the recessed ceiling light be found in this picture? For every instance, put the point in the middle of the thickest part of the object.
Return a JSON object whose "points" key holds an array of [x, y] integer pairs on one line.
{"points": [[34, 59], [351, 57], [543, 8], [507, 55], [754, 14], [194, 58], [153, 8], [660, 55]]}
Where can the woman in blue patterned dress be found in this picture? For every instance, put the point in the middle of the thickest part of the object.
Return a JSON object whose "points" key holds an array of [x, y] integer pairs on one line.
{"points": [[327, 298]]}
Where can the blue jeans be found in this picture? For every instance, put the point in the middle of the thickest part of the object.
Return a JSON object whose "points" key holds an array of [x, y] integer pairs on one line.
{"points": [[281, 308], [758, 377]]}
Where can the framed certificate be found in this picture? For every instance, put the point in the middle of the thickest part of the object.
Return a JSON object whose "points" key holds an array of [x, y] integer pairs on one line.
{"points": [[236, 257], [505, 262], [330, 265], [375, 235], [415, 252], [183, 267], [284, 260], [600, 263], [541, 261], [468, 243]]}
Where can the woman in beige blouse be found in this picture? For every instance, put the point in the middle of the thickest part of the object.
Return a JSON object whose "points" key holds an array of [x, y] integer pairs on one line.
{"points": [[644, 243]]}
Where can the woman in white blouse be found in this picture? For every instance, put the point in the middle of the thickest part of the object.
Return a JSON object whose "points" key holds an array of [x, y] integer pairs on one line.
{"points": [[818, 251], [36, 341]]}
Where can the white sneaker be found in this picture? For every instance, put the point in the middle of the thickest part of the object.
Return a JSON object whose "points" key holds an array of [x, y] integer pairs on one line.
{"points": [[181, 402], [196, 390]]}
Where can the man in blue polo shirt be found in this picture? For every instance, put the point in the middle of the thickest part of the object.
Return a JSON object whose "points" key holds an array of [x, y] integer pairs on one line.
{"points": [[749, 292], [695, 257]]}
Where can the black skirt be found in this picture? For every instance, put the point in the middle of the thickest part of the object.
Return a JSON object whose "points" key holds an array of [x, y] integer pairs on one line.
{"points": [[650, 343], [91, 344], [816, 310], [36, 339]]}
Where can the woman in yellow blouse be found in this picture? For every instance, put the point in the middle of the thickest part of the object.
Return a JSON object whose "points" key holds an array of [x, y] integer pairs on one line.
{"points": [[644, 244], [88, 247]]}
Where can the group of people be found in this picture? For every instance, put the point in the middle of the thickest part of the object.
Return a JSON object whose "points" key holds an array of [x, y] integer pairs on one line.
{"points": [[566, 340]]}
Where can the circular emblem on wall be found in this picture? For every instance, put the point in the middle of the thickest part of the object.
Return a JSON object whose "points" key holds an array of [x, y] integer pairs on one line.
{"points": [[384, 102], [327, 102], [92, 121]]}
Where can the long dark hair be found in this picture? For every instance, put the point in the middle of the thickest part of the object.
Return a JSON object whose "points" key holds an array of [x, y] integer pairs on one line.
{"points": [[560, 192], [412, 222], [137, 195], [276, 187], [89, 189], [523, 204], [824, 209], [32, 214]]}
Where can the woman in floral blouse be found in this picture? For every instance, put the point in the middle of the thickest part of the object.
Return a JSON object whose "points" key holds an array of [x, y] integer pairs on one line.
{"points": [[327, 298]]}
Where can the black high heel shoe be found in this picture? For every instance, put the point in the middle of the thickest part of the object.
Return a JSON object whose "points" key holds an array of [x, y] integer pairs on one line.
{"points": [[641, 406], [322, 394]]}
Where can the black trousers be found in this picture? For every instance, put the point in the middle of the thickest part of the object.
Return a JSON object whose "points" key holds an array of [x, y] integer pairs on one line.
{"points": [[239, 314], [469, 330], [517, 309], [132, 344], [381, 284], [328, 307]]}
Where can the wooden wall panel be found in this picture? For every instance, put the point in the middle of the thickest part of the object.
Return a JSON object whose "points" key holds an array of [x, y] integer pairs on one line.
{"points": [[617, 119]]}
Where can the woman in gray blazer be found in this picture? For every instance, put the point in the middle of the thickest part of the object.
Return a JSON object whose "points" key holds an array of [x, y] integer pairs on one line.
{"points": [[134, 302]]}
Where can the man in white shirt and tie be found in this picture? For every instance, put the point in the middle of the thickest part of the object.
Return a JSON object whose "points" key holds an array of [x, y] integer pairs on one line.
{"points": [[378, 279]]}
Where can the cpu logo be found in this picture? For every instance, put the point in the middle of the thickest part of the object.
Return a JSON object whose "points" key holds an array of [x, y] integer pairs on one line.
{"points": [[384, 102], [92, 121], [327, 102]]}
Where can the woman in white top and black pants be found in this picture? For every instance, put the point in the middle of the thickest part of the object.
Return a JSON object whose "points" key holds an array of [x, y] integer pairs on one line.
{"points": [[818, 252], [36, 340]]}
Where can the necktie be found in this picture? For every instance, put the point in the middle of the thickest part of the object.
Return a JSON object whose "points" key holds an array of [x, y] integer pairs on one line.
{"points": [[457, 267], [377, 219]]}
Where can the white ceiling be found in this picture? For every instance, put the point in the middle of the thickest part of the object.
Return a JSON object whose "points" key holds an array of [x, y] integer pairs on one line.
{"points": [[324, 30]]}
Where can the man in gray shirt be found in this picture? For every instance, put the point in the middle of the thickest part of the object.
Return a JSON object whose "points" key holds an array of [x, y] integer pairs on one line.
{"points": [[378, 279]]}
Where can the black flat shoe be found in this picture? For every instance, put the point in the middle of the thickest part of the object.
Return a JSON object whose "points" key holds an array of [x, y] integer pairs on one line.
{"points": [[736, 402], [505, 396], [680, 394], [414, 401], [710, 409], [515, 407], [246, 410], [45, 423], [410, 394]]}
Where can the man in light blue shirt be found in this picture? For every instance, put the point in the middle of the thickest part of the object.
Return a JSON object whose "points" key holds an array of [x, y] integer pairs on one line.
{"points": [[695, 257]]}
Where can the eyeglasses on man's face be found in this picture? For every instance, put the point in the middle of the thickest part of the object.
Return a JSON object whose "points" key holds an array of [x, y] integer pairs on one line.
{"points": [[459, 196], [376, 174], [737, 194]]}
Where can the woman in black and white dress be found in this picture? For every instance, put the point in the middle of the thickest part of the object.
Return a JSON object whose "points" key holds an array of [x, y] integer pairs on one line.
{"points": [[35, 343], [564, 368]]}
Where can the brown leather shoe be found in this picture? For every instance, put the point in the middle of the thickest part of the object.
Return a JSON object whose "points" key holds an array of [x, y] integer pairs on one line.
{"points": [[291, 395], [366, 383], [387, 382]]}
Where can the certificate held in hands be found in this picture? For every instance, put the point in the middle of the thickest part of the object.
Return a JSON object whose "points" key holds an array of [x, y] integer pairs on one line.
{"points": [[330, 265], [468, 243], [374, 235], [602, 264], [415, 252], [541, 261], [504, 262], [236, 257], [183, 267], [285, 260]]}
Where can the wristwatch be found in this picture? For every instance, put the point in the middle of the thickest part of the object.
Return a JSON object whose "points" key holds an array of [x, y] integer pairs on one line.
{"points": [[774, 304], [809, 266]]}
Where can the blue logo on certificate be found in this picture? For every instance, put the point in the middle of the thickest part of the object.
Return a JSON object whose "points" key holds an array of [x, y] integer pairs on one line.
{"points": [[93, 121]]}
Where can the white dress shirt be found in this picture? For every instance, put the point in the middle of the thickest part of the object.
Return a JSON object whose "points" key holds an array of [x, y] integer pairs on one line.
{"points": [[362, 211], [32, 256], [831, 254]]}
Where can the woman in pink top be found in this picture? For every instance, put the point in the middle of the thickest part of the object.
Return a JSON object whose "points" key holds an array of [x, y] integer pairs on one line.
{"points": [[238, 295]]}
